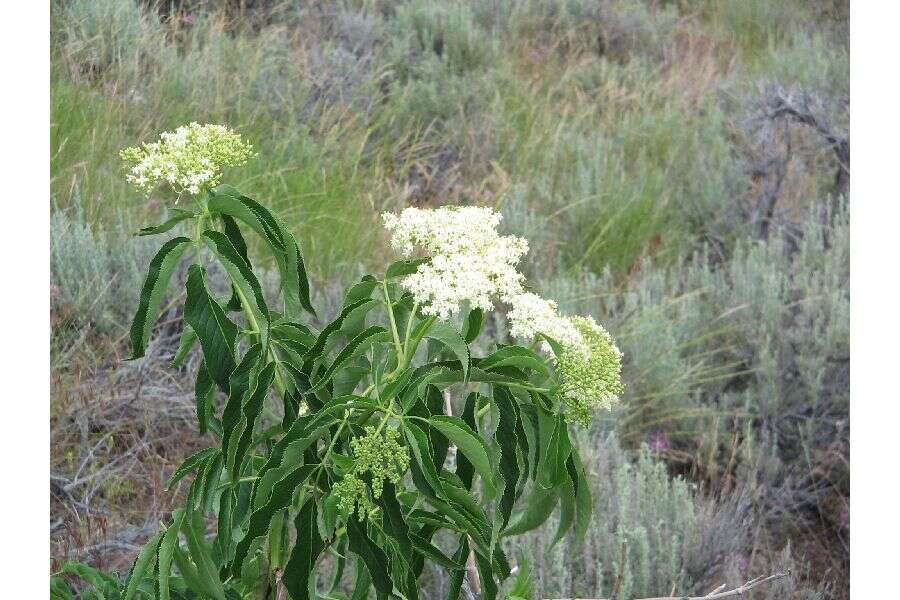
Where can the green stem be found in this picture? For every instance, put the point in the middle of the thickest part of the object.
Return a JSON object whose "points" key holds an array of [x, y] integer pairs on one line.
{"points": [[398, 346], [409, 323]]}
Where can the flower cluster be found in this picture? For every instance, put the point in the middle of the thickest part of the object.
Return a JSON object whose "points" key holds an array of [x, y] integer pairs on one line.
{"points": [[470, 261], [589, 364], [530, 315], [592, 379], [380, 454], [189, 159]]}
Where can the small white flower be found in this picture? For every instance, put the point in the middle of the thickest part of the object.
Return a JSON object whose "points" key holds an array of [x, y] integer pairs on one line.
{"points": [[531, 315], [470, 260], [189, 159]]}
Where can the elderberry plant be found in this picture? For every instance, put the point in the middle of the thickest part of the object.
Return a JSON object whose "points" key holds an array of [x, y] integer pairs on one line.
{"points": [[343, 441]]}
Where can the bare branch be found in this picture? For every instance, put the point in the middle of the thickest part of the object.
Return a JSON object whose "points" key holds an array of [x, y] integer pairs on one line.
{"points": [[716, 594]]}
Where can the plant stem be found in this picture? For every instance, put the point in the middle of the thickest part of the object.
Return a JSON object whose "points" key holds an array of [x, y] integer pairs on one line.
{"points": [[251, 320], [398, 345]]}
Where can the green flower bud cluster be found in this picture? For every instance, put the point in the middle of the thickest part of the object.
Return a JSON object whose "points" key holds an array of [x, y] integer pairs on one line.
{"points": [[591, 377], [380, 454], [189, 159]]}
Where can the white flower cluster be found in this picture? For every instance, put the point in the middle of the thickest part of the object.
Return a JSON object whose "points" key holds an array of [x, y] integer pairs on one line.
{"points": [[189, 159], [470, 261], [531, 315]]}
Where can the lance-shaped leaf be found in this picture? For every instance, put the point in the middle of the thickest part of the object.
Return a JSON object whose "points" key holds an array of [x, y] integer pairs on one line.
{"points": [[555, 450], [361, 290], [142, 565], [583, 502], [538, 506], [469, 443], [372, 556], [242, 434], [425, 476], [242, 278], [404, 267], [238, 384], [167, 552], [472, 325], [357, 346], [334, 327], [454, 586], [280, 498], [203, 395], [226, 200], [191, 463], [234, 235], [464, 469], [488, 583], [217, 333], [153, 291], [185, 344], [447, 335], [178, 215], [207, 574], [509, 464], [514, 356], [306, 551]]}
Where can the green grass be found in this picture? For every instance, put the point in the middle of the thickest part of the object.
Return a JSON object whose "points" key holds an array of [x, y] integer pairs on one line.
{"points": [[610, 151]]}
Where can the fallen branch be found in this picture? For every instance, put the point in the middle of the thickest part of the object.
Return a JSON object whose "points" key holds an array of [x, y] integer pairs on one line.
{"points": [[713, 595]]}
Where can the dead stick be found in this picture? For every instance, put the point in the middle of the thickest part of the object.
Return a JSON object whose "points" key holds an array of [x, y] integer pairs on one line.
{"points": [[714, 595]]}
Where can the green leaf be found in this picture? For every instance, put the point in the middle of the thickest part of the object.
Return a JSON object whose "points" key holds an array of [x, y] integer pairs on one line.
{"points": [[470, 444], [447, 335], [216, 332], [357, 346], [488, 583], [555, 450], [103, 583], [464, 469], [404, 267], [372, 556], [583, 502], [566, 511], [538, 507], [143, 563], [203, 394], [242, 278], [522, 587], [185, 344], [207, 574], [242, 434], [233, 233], [309, 427], [178, 215], [454, 586], [226, 200], [509, 464], [167, 552], [472, 326], [424, 475], [363, 581], [59, 589], [332, 328], [280, 498], [432, 552], [306, 551], [153, 291], [191, 463], [238, 384], [515, 356], [361, 290]]}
